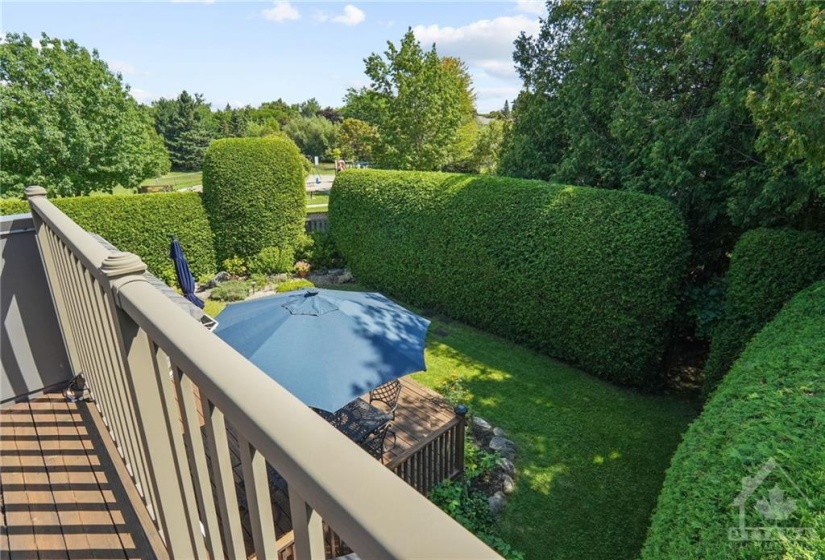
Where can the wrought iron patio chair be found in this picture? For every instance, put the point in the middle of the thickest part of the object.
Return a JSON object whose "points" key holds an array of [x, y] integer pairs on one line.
{"points": [[375, 444], [387, 394]]}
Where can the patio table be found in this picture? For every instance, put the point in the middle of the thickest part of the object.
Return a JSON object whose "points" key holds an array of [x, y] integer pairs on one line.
{"points": [[357, 419]]}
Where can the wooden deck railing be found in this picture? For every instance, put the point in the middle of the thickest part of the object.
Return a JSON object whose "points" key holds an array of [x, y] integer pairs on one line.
{"points": [[128, 340], [434, 459]]}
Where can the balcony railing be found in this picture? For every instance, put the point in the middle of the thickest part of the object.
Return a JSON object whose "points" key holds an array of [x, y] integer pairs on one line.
{"points": [[158, 377]]}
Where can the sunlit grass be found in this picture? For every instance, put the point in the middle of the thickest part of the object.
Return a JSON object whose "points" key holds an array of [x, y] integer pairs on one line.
{"points": [[592, 455]]}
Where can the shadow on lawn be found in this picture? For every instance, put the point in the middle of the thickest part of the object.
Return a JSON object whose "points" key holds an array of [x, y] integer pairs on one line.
{"points": [[592, 455]]}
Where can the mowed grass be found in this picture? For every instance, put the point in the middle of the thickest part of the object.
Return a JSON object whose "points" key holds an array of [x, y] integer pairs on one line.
{"points": [[317, 202], [592, 455], [178, 180]]}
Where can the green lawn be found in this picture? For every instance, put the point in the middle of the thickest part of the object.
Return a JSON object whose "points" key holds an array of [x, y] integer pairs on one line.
{"points": [[178, 180], [317, 202], [592, 455]]}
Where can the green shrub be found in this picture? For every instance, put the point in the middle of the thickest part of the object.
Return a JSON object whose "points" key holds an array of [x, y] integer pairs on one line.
{"points": [[235, 266], [231, 290], [770, 406], [586, 275], [254, 194], [10, 206], [318, 249], [142, 225], [272, 260], [767, 267], [294, 284]]}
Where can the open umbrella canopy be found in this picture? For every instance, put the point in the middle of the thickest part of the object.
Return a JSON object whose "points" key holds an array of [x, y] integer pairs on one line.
{"points": [[186, 282], [327, 347]]}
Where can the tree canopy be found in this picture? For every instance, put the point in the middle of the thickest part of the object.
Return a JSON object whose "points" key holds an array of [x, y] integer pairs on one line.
{"points": [[715, 106], [417, 101], [68, 123]]}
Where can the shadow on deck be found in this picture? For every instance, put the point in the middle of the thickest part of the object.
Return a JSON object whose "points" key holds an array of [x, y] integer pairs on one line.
{"points": [[61, 496]]}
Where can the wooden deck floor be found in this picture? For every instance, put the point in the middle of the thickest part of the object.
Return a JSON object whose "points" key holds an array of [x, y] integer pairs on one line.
{"points": [[60, 496]]}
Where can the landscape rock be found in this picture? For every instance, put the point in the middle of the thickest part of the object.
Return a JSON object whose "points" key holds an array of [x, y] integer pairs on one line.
{"points": [[504, 446], [499, 432], [222, 276], [345, 277], [497, 502], [507, 467], [508, 485], [482, 431]]}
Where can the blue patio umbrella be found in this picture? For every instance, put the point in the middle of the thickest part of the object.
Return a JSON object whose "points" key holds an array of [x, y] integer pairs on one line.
{"points": [[327, 347], [186, 282]]}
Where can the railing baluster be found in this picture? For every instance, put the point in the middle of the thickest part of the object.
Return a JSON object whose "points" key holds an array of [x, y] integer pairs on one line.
{"points": [[224, 477], [253, 465], [308, 527], [197, 460]]}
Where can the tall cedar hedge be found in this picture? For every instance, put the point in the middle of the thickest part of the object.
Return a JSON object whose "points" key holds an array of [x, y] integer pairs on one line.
{"points": [[254, 194], [141, 224], [767, 268], [586, 275], [770, 406]]}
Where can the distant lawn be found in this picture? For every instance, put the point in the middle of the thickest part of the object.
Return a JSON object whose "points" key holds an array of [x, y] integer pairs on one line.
{"points": [[317, 202], [178, 180], [592, 455]]}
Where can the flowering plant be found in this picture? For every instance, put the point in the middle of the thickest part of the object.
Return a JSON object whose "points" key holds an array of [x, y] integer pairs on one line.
{"points": [[302, 268]]}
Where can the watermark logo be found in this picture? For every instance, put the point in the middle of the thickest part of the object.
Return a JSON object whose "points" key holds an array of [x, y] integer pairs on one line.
{"points": [[773, 495]]}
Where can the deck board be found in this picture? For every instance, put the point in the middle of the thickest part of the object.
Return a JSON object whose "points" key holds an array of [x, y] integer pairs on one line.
{"points": [[59, 500]]}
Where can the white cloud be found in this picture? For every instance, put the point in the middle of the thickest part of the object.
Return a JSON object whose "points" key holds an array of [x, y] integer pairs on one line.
{"points": [[481, 40], [282, 11], [496, 93], [536, 7], [350, 16], [498, 68], [123, 67], [142, 96]]}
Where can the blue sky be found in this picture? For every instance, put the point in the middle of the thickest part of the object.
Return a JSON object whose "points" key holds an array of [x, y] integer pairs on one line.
{"points": [[249, 52]]}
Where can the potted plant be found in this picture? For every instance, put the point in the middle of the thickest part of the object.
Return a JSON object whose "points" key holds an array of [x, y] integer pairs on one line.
{"points": [[302, 268]]}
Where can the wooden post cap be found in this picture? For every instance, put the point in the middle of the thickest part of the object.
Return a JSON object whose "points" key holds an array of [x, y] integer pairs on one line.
{"points": [[35, 191], [120, 263]]}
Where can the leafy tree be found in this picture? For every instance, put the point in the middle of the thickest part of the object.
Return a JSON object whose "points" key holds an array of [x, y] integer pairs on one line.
{"points": [[186, 127], [356, 139], [714, 106], [278, 110], [313, 135], [69, 124], [485, 154], [425, 101], [330, 114], [309, 108], [365, 105]]}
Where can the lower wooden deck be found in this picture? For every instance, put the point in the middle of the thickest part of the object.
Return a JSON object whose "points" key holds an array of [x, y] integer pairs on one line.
{"points": [[60, 496]]}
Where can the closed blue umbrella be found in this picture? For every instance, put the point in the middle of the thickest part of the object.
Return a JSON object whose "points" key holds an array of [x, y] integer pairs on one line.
{"points": [[186, 282], [327, 347]]}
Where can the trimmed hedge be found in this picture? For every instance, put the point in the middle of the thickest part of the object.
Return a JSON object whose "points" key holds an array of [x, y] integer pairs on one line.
{"points": [[586, 275], [142, 224], [767, 268], [9, 206], [770, 406], [254, 194]]}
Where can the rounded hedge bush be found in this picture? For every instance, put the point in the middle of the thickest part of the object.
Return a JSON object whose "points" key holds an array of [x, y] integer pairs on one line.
{"points": [[586, 275], [142, 224], [254, 194], [766, 417], [767, 268]]}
